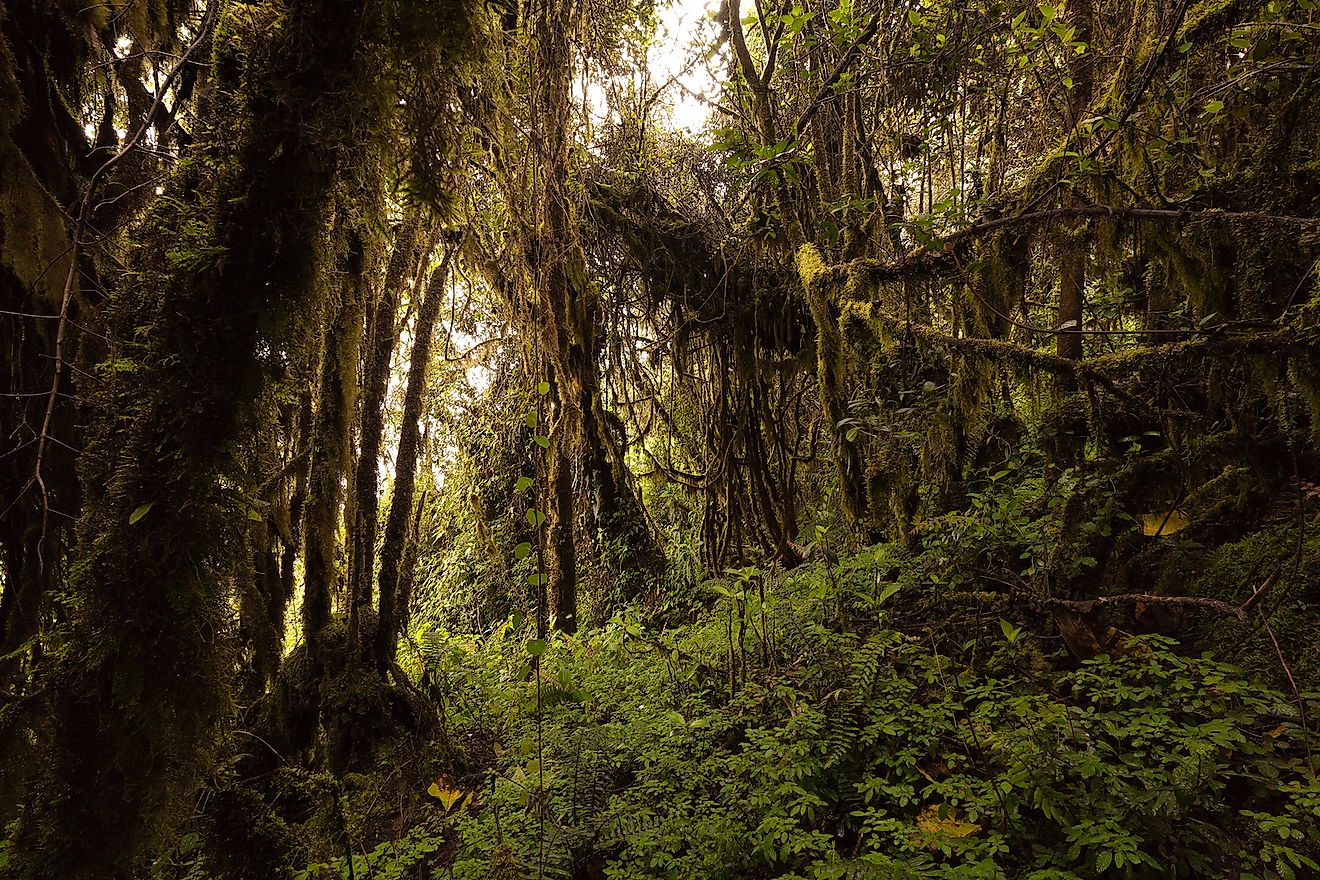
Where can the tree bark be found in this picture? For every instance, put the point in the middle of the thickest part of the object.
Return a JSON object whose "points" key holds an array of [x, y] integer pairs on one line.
{"points": [[137, 707], [563, 551], [1072, 263], [331, 454], [1072, 288], [405, 467], [383, 335]]}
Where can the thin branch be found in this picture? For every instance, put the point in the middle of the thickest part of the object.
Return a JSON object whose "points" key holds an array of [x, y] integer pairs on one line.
{"points": [[821, 94], [1297, 693]]}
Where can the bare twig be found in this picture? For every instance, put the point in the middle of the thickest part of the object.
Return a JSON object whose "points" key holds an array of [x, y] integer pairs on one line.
{"points": [[1301, 703]]}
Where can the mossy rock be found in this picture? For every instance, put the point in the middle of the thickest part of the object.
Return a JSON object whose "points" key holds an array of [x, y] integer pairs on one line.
{"points": [[1292, 604]]}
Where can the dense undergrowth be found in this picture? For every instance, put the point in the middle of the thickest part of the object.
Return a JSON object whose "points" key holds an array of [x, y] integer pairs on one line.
{"points": [[881, 711], [908, 471], [838, 721]]}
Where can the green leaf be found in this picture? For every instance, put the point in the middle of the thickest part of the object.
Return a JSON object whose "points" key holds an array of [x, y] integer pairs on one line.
{"points": [[522, 550], [530, 419], [536, 580], [534, 517], [543, 388], [542, 441], [1010, 631], [887, 592], [536, 647], [140, 512], [523, 484]]}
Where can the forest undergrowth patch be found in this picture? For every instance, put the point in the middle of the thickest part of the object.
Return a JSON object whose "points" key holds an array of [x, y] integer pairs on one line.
{"points": [[828, 723]]}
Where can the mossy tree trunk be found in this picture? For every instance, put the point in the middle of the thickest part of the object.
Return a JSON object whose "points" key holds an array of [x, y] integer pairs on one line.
{"points": [[137, 702], [571, 336], [331, 451], [393, 599], [382, 334]]}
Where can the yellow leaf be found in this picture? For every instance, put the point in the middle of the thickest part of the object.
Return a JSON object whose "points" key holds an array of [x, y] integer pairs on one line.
{"points": [[448, 797], [1168, 523], [929, 822]]}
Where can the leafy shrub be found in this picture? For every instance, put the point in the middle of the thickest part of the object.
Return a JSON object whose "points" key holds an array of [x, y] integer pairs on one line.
{"points": [[864, 753]]}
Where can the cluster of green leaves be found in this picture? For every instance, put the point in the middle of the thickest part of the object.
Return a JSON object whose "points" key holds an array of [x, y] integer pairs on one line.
{"points": [[861, 750], [886, 759], [1015, 527], [390, 860]]}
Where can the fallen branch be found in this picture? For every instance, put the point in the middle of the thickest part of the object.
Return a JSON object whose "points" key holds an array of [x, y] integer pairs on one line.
{"points": [[1086, 606]]}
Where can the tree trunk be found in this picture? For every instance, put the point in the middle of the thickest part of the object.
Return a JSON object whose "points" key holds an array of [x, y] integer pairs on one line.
{"points": [[1072, 288], [405, 467], [331, 452], [136, 709], [408, 567], [384, 333], [1072, 263], [563, 551]]}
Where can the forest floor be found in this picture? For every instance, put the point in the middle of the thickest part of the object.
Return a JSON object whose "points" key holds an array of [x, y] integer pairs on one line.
{"points": [[840, 720]]}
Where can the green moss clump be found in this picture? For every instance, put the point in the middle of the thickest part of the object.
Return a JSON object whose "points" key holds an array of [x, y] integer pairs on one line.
{"points": [[1292, 604]]}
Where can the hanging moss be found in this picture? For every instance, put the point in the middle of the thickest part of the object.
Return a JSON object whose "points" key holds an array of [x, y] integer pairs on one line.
{"points": [[34, 242]]}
